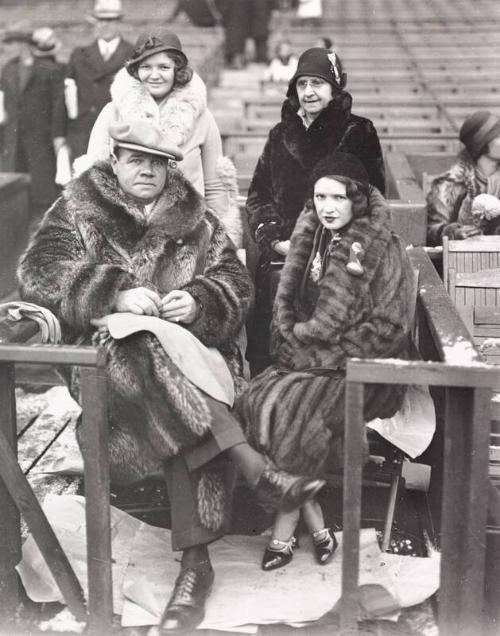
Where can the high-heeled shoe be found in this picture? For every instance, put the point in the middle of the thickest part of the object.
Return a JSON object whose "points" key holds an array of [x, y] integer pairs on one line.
{"points": [[278, 553], [278, 490], [324, 544]]}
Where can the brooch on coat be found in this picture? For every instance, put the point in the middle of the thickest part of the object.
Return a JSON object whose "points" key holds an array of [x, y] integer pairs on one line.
{"points": [[354, 266]]}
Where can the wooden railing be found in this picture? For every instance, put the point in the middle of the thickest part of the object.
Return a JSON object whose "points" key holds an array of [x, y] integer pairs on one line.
{"points": [[449, 360], [16, 495]]}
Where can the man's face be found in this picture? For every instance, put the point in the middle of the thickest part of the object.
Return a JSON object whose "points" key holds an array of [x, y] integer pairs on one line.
{"points": [[140, 175], [107, 29]]}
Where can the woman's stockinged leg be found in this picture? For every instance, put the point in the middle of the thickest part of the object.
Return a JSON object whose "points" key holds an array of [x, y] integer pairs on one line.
{"points": [[324, 541], [279, 551], [313, 516]]}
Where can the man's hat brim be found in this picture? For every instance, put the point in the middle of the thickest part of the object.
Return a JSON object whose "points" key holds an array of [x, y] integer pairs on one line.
{"points": [[172, 153]]}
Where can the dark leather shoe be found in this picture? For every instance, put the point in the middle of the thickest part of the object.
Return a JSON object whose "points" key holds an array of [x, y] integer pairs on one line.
{"points": [[324, 544], [278, 490], [186, 607], [278, 553]]}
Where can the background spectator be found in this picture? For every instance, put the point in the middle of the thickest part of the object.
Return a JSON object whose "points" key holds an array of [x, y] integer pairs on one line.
{"points": [[35, 113], [283, 65], [246, 19], [93, 67], [202, 13]]}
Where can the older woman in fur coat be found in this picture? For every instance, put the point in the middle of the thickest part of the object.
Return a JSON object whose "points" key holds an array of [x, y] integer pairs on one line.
{"points": [[158, 85], [132, 235], [453, 207], [316, 120], [344, 291]]}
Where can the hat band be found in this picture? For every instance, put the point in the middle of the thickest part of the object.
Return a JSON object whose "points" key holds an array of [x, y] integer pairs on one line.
{"points": [[488, 125]]}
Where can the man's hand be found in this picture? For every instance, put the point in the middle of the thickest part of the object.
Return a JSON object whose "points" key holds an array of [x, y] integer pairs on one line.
{"points": [[138, 300], [281, 247], [179, 306]]}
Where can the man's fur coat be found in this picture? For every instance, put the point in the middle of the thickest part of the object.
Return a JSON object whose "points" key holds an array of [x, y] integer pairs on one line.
{"points": [[94, 242], [294, 410]]}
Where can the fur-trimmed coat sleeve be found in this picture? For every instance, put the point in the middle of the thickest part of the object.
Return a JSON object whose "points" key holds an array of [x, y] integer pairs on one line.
{"points": [[58, 272]]}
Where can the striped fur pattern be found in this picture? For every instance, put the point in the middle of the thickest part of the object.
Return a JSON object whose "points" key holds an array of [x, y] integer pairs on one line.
{"points": [[294, 410], [94, 242]]}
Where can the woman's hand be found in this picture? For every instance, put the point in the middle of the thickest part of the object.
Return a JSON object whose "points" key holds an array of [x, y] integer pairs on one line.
{"points": [[179, 306], [139, 300], [281, 247]]}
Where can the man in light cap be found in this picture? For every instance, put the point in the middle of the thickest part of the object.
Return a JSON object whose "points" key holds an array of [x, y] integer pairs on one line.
{"points": [[132, 236], [92, 69]]}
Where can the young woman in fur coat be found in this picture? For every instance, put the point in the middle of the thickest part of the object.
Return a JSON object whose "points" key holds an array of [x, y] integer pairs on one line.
{"points": [[316, 120], [344, 291], [451, 201], [132, 235], [158, 85]]}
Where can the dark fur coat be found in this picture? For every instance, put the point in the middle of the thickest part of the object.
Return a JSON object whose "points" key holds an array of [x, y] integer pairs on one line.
{"points": [[294, 410], [95, 242], [450, 199]]}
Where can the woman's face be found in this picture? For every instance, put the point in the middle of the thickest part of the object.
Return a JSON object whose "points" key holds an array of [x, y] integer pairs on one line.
{"points": [[494, 149], [157, 73], [314, 94], [333, 207]]}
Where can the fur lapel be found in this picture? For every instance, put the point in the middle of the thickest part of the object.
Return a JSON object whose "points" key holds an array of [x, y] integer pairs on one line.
{"points": [[176, 115], [330, 125], [463, 172], [340, 292]]}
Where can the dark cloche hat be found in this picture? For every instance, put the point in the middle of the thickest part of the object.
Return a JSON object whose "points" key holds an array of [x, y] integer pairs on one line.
{"points": [[150, 43], [478, 130], [319, 62]]}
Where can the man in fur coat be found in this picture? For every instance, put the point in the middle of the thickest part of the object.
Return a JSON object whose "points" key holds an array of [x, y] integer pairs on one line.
{"points": [[132, 235], [316, 120]]}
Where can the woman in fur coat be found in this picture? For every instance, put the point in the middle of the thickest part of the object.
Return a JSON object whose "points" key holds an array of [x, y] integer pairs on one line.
{"points": [[316, 120], [158, 85], [451, 200], [132, 236], [344, 291]]}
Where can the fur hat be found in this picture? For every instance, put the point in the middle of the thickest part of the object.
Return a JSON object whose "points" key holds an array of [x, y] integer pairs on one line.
{"points": [[144, 136], [339, 164], [478, 130], [319, 62], [150, 43]]}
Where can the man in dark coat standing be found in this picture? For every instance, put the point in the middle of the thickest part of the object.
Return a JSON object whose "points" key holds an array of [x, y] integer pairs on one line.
{"points": [[93, 68], [316, 120], [35, 113]]}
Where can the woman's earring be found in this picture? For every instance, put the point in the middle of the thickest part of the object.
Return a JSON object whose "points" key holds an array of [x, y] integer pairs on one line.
{"points": [[353, 266], [172, 163]]}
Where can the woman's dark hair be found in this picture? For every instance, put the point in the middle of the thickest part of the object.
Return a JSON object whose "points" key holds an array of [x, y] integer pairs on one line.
{"points": [[182, 74], [356, 191]]}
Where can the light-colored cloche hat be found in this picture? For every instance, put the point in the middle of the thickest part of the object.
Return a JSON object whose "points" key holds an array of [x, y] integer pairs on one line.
{"points": [[107, 10], [478, 130], [145, 136]]}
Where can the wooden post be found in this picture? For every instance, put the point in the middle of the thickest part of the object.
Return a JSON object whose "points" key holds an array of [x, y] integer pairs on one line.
{"points": [[464, 511], [353, 467], [10, 526], [95, 454]]}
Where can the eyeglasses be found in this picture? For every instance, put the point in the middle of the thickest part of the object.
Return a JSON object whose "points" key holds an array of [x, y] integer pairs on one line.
{"points": [[315, 82]]}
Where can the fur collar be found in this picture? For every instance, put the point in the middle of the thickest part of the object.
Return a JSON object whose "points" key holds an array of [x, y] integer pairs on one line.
{"points": [[177, 114], [463, 172], [328, 128], [178, 211], [340, 291]]}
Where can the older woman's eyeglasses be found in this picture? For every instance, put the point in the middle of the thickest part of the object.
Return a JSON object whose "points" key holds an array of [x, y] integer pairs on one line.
{"points": [[315, 82]]}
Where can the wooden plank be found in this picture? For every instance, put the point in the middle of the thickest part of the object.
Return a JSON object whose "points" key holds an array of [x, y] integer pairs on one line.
{"points": [[353, 465], [487, 315], [464, 511], [94, 435], [52, 354], [10, 527], [406, 186], [476, 244], [482, 278], [409, 221], [47, 542]]}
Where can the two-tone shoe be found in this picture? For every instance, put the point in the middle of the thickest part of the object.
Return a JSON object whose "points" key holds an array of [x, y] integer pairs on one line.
{"points": [[278, 553], [324, 545]]}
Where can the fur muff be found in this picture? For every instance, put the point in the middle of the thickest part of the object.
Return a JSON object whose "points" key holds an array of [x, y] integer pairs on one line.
{"points": [[450, 198], [94, 242], [294, 410]]}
